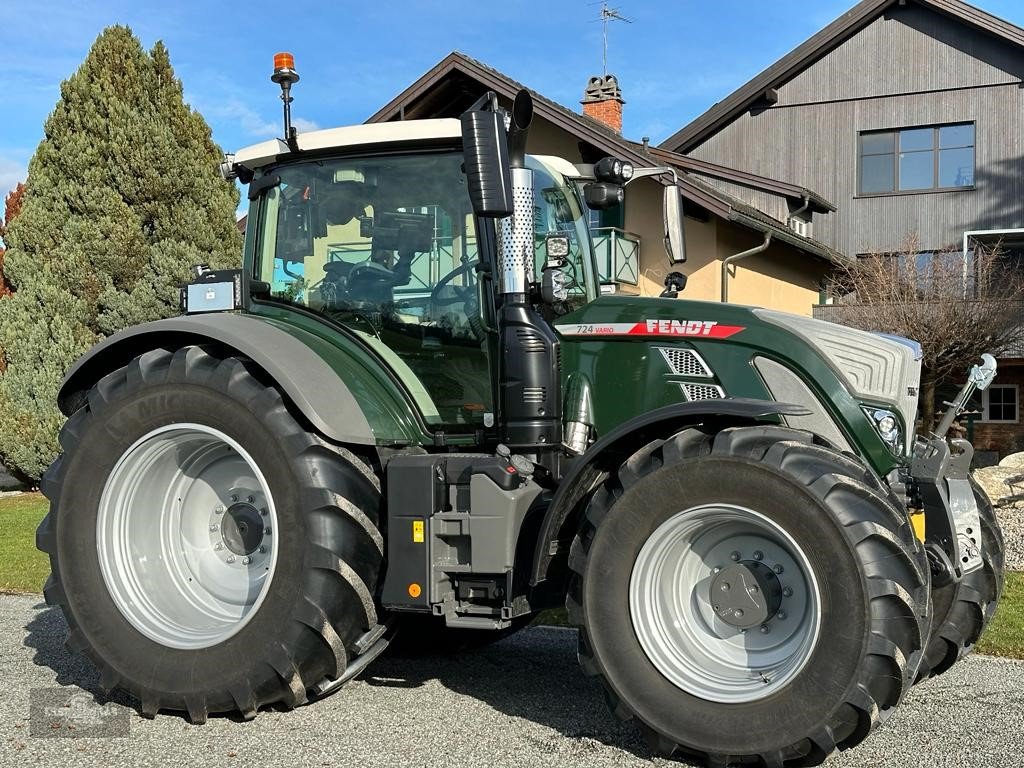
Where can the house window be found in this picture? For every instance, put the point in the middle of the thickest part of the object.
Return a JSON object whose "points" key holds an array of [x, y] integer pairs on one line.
{"points": [[916, 159], [999, 403]]}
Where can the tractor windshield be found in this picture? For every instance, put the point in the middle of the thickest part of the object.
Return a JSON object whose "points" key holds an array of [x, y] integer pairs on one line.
{"points": [[387, 246]]}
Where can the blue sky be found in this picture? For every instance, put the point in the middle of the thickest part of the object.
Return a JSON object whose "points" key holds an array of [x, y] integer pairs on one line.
{"points": [[674, 60]]}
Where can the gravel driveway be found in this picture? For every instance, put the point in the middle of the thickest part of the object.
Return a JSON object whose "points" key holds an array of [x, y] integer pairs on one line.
{"points": [[522, 702]]}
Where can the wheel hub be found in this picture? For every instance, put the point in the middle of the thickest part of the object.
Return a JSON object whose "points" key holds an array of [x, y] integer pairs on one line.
{"points": [[746, 594], [242, 528]]}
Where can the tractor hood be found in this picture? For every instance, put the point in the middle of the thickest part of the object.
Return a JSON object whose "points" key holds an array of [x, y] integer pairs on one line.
{"points": [[643, 353]]}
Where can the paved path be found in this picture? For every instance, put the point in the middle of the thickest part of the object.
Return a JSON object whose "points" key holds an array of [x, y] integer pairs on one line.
{"points": [[522, 702]]}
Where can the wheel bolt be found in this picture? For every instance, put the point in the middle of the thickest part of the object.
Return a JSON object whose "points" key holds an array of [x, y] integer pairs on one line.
{"points": [[231, 558], [735, 556], [758, 554], [717, 569], [218, 545], [218, 510], [251, 499], [214, 527], [234, 497], [266, 531], [753, 589], [778, 569], [246, 560], [738, 613], [726, 586], [263, 511], [787, 592], [782, 614], [263, 550], [765, 629]]}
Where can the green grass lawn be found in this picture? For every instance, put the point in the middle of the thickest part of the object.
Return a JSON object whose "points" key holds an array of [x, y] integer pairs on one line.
{"points": [[24, 569], [1005, 636]]}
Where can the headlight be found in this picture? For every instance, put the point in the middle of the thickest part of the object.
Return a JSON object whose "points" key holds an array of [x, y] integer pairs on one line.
{"points": [[888, 428]]}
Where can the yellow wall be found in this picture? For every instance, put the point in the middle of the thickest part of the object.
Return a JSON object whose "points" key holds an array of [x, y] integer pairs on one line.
{"points": [[780, 278], [644, 217]]}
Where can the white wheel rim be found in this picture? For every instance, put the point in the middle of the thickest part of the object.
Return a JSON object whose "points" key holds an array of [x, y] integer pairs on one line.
{"points": [[187, 536], [673, 611]]}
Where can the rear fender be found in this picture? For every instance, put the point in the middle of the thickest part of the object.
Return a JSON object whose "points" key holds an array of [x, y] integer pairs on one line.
{"points": [[562, 517], [294, 360]]}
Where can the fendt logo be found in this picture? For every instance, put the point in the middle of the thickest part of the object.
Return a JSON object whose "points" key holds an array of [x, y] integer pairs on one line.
{"points": [[706, 328], [689, 328]]}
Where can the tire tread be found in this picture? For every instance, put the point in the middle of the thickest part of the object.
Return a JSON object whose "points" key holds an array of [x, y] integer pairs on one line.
{"points": [[338, 610], [870, 523]]}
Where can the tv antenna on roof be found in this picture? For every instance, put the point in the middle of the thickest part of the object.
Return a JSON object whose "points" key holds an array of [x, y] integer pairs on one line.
{"points": [[608, 14]]}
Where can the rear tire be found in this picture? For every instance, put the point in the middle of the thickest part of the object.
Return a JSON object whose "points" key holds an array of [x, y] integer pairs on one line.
{"points": [[962, 610], [152, 611], [856, 546]]}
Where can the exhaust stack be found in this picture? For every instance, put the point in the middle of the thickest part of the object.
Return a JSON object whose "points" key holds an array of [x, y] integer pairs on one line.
{"points": [[516, 235]]}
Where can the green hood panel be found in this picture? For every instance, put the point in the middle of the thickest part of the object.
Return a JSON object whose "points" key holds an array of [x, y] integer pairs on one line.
{"points": [[624, 344]]}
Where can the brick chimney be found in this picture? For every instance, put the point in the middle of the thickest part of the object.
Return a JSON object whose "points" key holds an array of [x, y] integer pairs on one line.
{"points": [[602, 100]]}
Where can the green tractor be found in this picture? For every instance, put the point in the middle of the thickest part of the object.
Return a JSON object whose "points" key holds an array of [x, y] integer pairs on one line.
{"points": [[413, 414]]}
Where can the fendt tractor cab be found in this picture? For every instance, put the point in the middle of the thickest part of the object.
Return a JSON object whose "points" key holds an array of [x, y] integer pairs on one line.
{"points": [[412, 416]]}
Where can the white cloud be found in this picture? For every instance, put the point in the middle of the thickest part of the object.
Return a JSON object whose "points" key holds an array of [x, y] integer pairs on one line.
{"points": [[248, 119], [302, 124], [11, 172], [251, 122]]}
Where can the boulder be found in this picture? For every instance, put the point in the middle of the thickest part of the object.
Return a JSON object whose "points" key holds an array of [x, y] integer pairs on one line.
{"points": [[1013, 460], [993, 480]]}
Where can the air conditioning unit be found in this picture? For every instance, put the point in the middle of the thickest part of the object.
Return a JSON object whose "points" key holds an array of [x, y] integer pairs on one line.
{"points": [[801, 226]]}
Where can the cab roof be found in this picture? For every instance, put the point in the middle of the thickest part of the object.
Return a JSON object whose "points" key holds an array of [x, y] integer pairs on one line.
{"points": [[266, 152]]}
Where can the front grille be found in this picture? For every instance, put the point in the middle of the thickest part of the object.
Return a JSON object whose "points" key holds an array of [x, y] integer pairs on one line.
{"points": [[685, 362], [701, 391]]}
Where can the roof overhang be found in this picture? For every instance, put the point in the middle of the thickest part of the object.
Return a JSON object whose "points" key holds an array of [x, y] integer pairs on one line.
{"points": [[759, 89]]}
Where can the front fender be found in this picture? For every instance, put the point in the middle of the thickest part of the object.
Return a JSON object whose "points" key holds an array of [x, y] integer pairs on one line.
{"points": [[320, 379], [561, 517]]}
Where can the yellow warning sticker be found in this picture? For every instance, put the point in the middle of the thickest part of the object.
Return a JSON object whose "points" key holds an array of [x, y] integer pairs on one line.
{"points": [[417, 531]]}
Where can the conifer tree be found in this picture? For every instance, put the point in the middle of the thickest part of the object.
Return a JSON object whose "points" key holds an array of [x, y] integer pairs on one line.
{"points": [[124, 197]]}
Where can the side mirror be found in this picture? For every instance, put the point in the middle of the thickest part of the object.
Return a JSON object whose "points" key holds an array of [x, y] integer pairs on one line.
{"points": [[485, 149], [675, 237]]}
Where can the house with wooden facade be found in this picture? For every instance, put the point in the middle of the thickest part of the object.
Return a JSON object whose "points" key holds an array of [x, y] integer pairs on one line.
{"points": [[909, 116]]}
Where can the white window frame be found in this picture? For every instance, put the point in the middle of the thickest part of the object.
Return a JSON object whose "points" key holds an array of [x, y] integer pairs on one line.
{"points": [[985, 404]]}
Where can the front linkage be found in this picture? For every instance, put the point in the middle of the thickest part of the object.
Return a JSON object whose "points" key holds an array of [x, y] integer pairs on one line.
{"points": [[940, 475]]}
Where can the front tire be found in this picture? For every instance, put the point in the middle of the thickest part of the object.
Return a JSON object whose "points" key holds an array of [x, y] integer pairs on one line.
{"points": [[789, 690], [209, 553]]}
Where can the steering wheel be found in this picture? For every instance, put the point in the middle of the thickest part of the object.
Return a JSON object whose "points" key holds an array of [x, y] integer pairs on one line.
{"points": [[462, 292]]}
